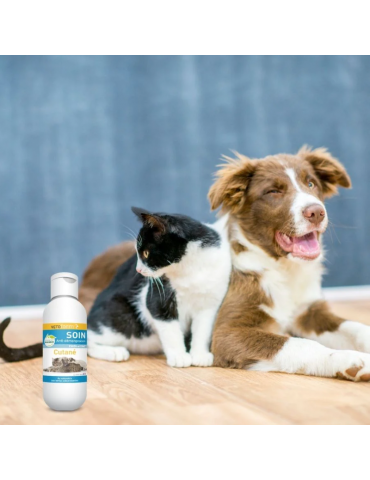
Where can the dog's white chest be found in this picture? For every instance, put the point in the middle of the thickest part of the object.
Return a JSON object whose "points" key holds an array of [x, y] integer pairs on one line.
{"points": [[291, 287]]}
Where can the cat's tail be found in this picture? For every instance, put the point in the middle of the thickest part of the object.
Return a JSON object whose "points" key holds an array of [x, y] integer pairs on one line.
{"points": [[17, 354]]}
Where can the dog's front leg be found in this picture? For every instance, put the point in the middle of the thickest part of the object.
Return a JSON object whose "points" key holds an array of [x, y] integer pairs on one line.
{"points": [[308, 357], [318, 323], [250, 348], [236, 343]]}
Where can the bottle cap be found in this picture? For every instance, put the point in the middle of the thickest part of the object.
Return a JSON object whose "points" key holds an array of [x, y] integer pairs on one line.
{"points": [[64, 283]]}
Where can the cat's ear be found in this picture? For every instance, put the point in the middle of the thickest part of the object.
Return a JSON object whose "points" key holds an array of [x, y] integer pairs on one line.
{"points": [[156, 222], [139, 212]]}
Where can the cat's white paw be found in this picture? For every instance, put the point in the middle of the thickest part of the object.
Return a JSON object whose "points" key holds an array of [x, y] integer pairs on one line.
{"points": [[107, 352], [202, 359], [179, 360]]}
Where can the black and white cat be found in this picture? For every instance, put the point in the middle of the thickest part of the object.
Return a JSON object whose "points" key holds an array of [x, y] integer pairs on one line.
{"points": [[169, 292]]}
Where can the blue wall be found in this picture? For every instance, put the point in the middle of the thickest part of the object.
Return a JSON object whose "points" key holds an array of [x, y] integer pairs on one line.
{"points": [[84, 138]]}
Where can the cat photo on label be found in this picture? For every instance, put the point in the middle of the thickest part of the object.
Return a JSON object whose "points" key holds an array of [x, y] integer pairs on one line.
{"points": [[165, 298], [66, 365]]}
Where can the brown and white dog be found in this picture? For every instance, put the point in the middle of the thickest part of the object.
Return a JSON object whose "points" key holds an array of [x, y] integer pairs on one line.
{"points": [[276, 220]]}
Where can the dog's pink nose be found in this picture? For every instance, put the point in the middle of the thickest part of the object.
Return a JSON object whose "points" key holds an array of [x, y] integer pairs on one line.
{"points": [[314, 213]]}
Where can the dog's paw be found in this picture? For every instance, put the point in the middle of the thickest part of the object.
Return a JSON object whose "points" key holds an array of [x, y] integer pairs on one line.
{"points": [[179, 360], [354, 366], [107, 352], [202, 359]]}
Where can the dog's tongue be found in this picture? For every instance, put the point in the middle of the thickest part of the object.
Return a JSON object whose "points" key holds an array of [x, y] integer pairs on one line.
{"points": [[306, 246]]}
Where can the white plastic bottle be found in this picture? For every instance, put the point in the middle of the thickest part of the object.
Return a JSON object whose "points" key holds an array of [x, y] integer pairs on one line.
{"points": [[64, 345]]}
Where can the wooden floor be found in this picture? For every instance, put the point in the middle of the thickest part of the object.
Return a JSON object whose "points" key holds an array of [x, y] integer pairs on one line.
{"points": [[145, 391]]}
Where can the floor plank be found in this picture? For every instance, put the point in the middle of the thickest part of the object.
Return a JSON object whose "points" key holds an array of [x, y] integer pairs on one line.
{"points": [[145, 391]]}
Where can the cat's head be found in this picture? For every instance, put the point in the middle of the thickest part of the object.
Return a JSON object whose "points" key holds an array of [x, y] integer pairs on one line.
{"points": [[161, 242], [57, 362]]}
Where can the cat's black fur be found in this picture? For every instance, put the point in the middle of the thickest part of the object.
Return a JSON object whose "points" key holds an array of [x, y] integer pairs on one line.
{"points": [[114, 307], [164, 310]]}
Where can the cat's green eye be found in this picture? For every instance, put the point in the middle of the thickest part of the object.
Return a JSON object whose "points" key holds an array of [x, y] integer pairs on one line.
{"points": [[145, 254]]}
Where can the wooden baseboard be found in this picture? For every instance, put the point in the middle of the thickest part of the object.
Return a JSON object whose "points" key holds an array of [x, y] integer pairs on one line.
{"points": [[333, 294], [25, 312], [347, 294]]}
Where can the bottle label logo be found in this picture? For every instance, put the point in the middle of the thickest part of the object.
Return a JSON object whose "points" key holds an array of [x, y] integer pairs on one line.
{"points": [[49, 340]]}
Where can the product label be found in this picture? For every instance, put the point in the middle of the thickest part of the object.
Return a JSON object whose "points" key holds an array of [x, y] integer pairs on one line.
{"points": [[65, 352]]}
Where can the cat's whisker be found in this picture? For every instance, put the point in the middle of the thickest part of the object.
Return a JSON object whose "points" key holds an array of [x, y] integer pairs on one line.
{"points": [[129, 229], [136, 247], [159, 290], [136, 242], [136, 237], [164, 293], [154, 282], [132, 236]]}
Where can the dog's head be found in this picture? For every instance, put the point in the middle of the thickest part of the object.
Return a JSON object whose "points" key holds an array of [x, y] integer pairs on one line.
{"points": [[278, 201]]}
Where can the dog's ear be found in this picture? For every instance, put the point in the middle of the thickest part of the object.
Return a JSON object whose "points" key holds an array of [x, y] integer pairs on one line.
{"points": [[231, 184], [329, 170]]}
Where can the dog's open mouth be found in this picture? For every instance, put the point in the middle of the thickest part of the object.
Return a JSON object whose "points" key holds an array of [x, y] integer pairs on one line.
{"points": [[307, 246]]}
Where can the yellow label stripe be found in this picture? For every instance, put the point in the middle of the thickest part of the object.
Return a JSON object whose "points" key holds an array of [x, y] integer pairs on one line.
{"points": [[65, 326]]}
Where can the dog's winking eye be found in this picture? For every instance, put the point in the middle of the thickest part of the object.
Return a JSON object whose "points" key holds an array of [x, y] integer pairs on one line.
{"points": [[273, 191], [145, 254]]}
